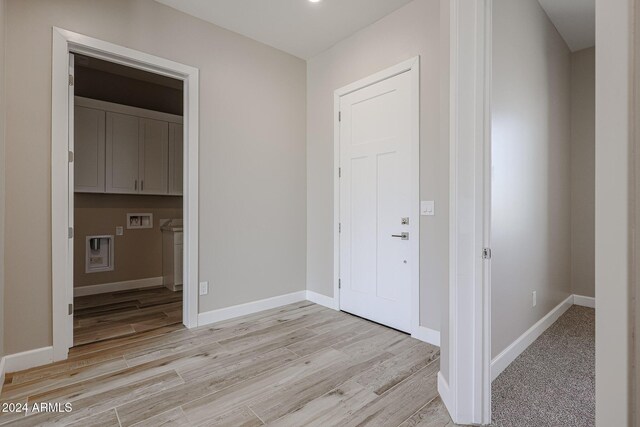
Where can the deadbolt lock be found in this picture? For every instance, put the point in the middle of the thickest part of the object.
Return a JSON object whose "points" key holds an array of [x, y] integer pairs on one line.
{"points": [[404, 221]]}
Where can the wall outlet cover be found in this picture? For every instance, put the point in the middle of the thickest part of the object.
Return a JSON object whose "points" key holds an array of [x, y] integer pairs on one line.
{"points": [[534, 301], [119, 231], [204, 288]]}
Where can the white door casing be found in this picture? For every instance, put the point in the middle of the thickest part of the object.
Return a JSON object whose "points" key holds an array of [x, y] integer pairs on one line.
{"points": [[378, 191], [65, 43]]}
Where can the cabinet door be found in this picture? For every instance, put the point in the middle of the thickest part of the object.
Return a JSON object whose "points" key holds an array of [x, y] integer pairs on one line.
{"points": [[89, 150], [123, 134], [154, 156], [175, 158]]}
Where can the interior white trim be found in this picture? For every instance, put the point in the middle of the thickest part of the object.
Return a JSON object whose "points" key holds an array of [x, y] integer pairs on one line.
{"points": [[322, 300], [105, 288], [427, 335], [509, 354], [445, 392], [227, 313], [27, 359], [584, 301], [64, 43], [412, 66], [469, 340]]}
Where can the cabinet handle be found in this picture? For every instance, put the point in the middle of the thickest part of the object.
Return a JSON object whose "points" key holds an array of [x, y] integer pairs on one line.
{"points": [[142, 185], [135, 185]]}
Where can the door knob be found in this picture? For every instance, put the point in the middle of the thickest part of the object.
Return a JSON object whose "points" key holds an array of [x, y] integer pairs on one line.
{"points": [[403, 236]]}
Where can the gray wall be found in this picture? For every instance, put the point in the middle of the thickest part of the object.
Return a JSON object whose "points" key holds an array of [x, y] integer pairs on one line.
{"points": [[2, 170], [138, 253], [531, 149], [252, 153], [583, 171], [410, 31]]}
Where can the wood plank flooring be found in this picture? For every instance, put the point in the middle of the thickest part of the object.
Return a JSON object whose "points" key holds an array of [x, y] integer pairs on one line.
{"points": [[118, 314], [299, 365]]}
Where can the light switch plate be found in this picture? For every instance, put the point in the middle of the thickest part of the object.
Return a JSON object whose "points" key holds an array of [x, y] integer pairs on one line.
{"points": [[119, 231], [204, 288], [428, 208]]}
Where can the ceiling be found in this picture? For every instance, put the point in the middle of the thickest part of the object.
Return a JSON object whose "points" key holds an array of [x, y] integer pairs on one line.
{"points": [[575, 21], [299, 27]]}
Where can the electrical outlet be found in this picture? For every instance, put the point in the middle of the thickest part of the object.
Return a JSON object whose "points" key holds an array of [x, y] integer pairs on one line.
{"points": [[204, 288], [534, 296]]}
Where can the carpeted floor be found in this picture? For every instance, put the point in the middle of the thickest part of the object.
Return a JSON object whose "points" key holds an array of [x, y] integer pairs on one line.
{"points": [[553, 382]]}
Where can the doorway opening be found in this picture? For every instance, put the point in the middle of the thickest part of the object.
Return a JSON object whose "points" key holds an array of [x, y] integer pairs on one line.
{"points": [[542, 231], [128, 208], [119, 212]]}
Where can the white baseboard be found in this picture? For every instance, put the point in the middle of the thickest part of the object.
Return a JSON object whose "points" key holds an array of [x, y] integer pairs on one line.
{"points": [[27, 359], [509, 354], [323, 300], [249, 308], [584, 301], [427, 335], [128, 285], [445, 393]]}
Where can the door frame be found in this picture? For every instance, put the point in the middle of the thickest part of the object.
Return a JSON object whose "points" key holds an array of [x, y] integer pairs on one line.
{"points": [[64, 43], [466, 391], [411, 66]]}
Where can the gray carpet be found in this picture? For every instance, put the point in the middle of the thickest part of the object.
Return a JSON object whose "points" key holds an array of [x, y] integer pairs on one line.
{"points": [[553, 382]]}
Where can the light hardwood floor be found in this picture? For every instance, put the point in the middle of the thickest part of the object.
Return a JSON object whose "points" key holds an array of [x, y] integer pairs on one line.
{"points": [[299, 365], [118, 314]]}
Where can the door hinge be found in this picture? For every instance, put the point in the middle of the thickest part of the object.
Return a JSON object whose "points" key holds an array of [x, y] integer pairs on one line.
{"points": [[70, 232], [339, 227], [339, 283], [339, 172], [486, 253], [70, 309], [71, 157], [339, 116], [71, 79]]}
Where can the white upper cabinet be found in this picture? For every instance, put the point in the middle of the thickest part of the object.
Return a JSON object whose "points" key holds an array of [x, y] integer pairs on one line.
{"points": [[123, 136], [89, 150], [176, 154], [154, 156], [126, 150]]}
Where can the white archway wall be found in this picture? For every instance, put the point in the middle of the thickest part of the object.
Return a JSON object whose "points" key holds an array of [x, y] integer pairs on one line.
{"points": [[614, 92]]}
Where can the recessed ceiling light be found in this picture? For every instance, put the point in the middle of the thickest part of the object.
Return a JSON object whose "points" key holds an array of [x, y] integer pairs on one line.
{"points": [[315, 1]]}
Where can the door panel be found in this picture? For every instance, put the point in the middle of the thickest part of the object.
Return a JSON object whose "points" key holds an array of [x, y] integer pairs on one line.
{"points": [[375, 138], [89, 140], [123, 134], [176, 158], [70, 205], [154, 156]]}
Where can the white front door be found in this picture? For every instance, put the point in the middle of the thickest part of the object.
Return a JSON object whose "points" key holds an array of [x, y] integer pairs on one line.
{"points": [[375, 202]]}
